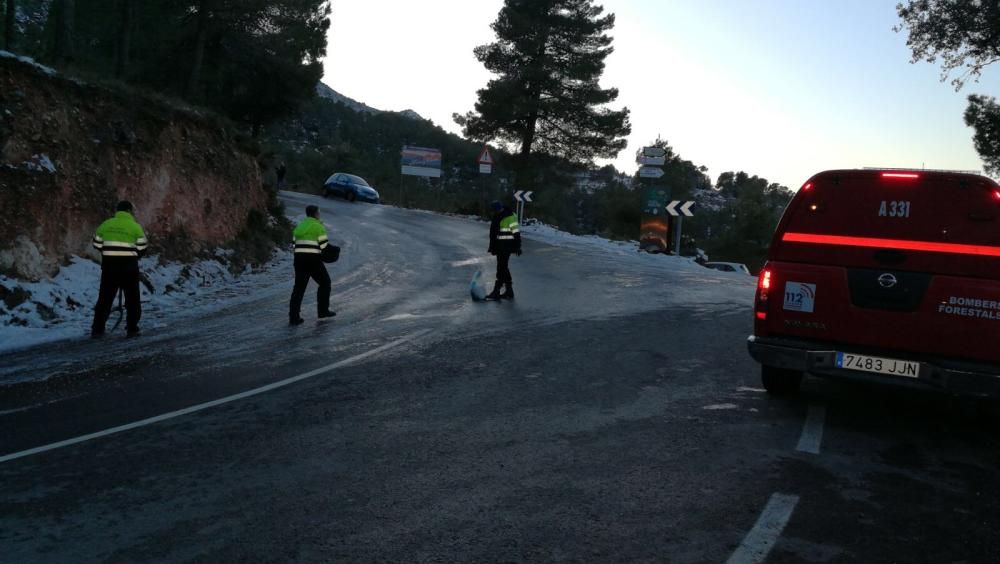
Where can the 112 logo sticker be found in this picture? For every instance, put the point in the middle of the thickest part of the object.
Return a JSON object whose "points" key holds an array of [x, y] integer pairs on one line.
{"points": [[800, 296]]}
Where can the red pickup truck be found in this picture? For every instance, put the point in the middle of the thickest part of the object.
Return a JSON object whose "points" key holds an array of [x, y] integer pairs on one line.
{"points": [[884, 275]]}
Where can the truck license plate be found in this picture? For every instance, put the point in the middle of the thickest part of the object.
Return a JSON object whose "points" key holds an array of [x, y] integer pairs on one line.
{"points": [[878, 365]]}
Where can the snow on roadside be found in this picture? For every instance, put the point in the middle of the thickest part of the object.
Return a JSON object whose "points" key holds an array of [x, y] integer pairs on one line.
{"points": [[622, 249], [40, 163], [32, 313], [28, 60]]}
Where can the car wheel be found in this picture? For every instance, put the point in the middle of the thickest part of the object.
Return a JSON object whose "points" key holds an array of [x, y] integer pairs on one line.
{"points": [[326, 194], [351, 196], [780, 381]]}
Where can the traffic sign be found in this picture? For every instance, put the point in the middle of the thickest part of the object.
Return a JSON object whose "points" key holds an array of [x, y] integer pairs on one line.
{"points": [[485, 168], [485, 158], [651, 161], [654, 152], [650, 172], [522, 196], [685, 208]]}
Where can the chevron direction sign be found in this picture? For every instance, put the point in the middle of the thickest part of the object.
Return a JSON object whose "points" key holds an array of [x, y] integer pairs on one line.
{"points": [[522, 196], [685, 208]]}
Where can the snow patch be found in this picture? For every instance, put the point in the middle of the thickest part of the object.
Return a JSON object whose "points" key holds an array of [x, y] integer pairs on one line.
{"points": [[61, 307], [592, 243], [28, 60], [39, 163]]}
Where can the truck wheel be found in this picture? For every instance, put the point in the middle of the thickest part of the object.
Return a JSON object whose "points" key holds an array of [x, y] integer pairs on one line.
{"points": [[780, 381]]}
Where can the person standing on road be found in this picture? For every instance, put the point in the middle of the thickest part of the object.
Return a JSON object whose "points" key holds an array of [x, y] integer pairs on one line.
{"points": [[310, 240], [505, 239], [121, 242], [280, 172]]}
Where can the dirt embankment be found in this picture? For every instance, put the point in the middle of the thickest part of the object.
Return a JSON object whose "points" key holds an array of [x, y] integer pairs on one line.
{"points": [[69, 151]]}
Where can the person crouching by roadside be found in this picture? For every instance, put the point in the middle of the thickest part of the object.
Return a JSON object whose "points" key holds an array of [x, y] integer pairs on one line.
{"points": [[121, 242], [310, 240]]}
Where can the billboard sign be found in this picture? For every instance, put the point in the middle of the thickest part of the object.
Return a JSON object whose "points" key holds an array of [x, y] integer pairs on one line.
{"points": [[421, 161]]}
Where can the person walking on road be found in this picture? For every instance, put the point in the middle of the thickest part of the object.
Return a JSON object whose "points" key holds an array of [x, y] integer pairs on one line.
{"points": [[505, 239], [121, 242], [310, 240]]}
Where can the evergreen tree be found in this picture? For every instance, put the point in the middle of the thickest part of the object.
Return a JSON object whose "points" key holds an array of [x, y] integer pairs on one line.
{"points": [[62, 21], [123, 45], [963, 35], [548, 58], [10, 25], [960, 33], [983, 115]]}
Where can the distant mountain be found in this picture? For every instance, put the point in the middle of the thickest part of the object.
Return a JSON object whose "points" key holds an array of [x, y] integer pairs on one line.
{"points": [[324, 91]]}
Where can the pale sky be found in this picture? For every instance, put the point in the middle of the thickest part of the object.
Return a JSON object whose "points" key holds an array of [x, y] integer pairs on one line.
{"points": [[778, 88]]}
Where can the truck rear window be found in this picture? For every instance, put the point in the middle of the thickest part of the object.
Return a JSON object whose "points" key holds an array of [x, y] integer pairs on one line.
{"points": [[932, 222]]}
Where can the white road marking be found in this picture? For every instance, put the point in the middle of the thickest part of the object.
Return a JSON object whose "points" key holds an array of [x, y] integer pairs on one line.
{"points": [[469, 262], [214, 403], [812, 431], [716, 406], [766, 531]]}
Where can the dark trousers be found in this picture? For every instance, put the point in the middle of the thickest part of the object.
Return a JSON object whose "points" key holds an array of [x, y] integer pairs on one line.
{"points": [[503, 268], [306, 267], [118, 274]]}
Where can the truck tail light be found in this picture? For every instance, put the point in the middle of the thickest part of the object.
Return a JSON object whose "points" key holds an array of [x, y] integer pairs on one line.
{"points": [[763, 289]]}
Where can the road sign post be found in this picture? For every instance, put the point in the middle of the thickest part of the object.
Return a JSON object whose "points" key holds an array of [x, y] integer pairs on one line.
{"points": [[521, 197], [485, 162], [679, 210], [653, 231], [678, 222]]}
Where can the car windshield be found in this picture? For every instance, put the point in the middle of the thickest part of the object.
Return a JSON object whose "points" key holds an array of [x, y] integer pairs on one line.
{"points": [[356, 180]]}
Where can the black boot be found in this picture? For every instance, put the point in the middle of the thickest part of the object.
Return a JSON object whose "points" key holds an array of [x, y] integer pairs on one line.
{"points": [[495, 294], [508, 292]]}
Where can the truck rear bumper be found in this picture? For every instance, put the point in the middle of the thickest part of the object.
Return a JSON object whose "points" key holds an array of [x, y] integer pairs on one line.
{"points": [[819, 359]]}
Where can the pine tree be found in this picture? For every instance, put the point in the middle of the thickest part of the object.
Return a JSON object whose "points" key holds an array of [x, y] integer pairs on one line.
{"points": [[548, 58], [63, 24], [963, 36], [983, 115], [10, 25]]}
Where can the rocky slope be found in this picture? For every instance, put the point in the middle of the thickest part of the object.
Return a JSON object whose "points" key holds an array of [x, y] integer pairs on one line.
{"points": [[69, 151]]}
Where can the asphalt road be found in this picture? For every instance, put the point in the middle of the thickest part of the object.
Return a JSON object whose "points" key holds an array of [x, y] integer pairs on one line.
{"points": [[611, 413]]}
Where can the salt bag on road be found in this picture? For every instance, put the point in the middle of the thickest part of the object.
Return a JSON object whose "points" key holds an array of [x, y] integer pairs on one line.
{"points": [[476, 289]]}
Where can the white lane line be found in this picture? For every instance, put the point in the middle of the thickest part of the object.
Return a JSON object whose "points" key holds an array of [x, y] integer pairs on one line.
{"points": [[214, 403], [766, 531], [812, 431]]}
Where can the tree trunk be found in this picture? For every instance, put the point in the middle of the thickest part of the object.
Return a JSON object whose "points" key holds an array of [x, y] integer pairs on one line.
{"points": [[191, 91], [10, 25], [524, 173], [65, 25], [124, 42]]}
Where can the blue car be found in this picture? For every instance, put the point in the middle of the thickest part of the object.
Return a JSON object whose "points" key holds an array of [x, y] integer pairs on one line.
{"points": [[350, 187]]}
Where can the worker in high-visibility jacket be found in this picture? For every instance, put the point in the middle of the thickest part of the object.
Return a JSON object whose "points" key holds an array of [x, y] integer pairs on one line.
{"points": [[310, 240], [121, 242], [505, 239]]}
